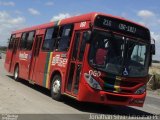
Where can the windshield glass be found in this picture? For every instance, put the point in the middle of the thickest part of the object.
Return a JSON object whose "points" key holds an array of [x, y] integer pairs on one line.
{"points": [[118, 55], [136, 58]]}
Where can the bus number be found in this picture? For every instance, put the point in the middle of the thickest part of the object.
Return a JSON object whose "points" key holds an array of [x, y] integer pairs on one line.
{"points": [[127, 28], [107, 22], [83, 24]]}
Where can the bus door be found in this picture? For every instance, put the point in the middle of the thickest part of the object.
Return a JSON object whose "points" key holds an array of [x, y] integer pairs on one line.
{"points": [[36, 50], [14, 52], [76, 62]]}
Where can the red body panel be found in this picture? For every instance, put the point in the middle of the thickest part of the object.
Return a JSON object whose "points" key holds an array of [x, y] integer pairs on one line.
{"points": [[41, 68]]}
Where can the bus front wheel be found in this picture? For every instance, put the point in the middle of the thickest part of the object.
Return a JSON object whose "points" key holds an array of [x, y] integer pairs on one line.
{"points": [[56, 88]]}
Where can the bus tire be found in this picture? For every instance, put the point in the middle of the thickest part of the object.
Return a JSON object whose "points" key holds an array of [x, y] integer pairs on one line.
{"points": [[16, 73], [56, 88]]}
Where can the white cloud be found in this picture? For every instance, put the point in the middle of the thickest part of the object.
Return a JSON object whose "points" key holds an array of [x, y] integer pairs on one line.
{"points": [[10, 3], [149, 19], [33, 11], [9, 24], [17, 20], [60, 16], [145, 14], [49, 3], [156, 36]]}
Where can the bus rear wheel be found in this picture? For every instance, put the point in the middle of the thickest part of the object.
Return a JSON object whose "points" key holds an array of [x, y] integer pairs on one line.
{"points": [[16, 73], [56, 88]]}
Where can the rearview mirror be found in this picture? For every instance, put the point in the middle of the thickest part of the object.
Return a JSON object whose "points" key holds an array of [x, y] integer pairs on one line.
{"points": [[153, 51]]}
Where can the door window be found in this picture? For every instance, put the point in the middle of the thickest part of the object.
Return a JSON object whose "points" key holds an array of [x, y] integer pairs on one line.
{"points": [[83, 46], [76, 44]]}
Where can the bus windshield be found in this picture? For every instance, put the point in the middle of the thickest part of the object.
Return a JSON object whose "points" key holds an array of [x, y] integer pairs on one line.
{"points": [[116, 54]]}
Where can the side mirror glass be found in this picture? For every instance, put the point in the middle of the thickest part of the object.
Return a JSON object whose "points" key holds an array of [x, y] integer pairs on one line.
{"points": [[153, 51], [153, 48]]}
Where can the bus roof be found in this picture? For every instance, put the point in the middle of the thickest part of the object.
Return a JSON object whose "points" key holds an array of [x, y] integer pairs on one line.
{"points": [[74, 19]]}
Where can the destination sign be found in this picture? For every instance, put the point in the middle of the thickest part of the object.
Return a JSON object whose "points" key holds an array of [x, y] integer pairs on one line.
{"points": [[122, 26]]}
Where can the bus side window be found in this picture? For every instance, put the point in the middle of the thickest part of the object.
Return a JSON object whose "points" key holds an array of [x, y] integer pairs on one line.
{"points": [[50, 38], [11, 42], [76, 43], [65, 34], [30, 40], [24, 41], [83, 45], [27, 40]]}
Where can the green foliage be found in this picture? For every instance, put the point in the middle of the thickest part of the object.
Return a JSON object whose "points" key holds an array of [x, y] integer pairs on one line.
{"points": [[3, 48], [156, 84], [155, 61]]}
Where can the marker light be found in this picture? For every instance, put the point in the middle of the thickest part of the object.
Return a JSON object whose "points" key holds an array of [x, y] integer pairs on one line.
{"points": [[92, 82], [141, 90]]}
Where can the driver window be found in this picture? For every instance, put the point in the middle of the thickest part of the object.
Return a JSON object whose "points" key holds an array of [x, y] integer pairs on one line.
{"points": [[102, 49], [138, 54]]}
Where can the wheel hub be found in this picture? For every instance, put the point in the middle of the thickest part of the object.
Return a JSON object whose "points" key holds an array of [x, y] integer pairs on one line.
{"points": [[16, 74], [56, 86]]}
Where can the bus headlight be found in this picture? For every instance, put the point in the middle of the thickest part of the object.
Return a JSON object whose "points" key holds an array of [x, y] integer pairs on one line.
{"points": [[141, 90], [92, 82]]}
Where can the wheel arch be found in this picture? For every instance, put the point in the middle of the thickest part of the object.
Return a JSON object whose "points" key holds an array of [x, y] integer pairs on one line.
{"points": [[55, 72]]}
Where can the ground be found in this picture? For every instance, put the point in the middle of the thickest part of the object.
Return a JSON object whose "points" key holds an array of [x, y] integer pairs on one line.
{"points": [[24, 98]]}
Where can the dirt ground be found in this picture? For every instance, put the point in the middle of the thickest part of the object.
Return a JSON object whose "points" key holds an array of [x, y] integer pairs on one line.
{"points": [[155, 68]]}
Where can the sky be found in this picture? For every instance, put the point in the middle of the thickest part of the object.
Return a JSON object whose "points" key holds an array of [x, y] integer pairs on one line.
{"points": [[17, 14]]}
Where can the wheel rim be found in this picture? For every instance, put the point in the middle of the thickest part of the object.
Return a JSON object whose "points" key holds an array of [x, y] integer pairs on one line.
{"points": [[16, 73], [56, 86]]}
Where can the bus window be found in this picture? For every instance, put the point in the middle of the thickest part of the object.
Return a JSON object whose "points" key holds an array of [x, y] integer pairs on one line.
{"points": [[30, 40], [75, 50], [49, 42], [11, 42], [24, 40], [27, 40], [83, 45], [65, 36]]}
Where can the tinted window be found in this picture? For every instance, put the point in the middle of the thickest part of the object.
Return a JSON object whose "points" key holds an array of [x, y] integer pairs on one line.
{"points": [[11, 42], [49, 42], [83, 46], [24, 41], [76, 43], [30, 40], [27, 40], [65, 36]]}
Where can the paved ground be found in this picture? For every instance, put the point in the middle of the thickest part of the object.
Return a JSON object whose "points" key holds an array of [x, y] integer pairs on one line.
{"points": [[24, 98]]}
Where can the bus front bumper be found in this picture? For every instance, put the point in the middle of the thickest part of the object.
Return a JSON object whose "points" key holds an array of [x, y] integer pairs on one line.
{"points": [[111, 98]]}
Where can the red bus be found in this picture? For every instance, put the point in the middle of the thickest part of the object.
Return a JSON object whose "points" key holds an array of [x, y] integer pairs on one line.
{"points": [[93, 57]]}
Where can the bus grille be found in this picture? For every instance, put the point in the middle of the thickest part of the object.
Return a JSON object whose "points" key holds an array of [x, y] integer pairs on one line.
{"points": [[119, 86]]}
